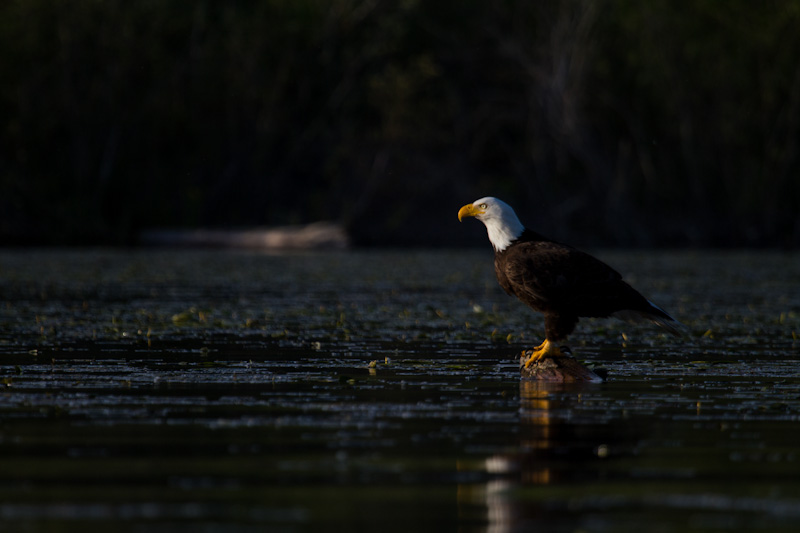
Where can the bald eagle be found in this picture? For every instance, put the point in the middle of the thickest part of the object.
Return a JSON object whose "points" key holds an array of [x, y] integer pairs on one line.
{"points": [[556, 279]]}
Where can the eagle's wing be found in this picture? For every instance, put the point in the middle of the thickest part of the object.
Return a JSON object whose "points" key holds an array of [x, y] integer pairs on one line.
{"points": [[553, 276]]}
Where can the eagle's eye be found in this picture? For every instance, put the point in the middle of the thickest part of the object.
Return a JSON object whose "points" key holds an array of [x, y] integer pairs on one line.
{"points": [[482, 206]]}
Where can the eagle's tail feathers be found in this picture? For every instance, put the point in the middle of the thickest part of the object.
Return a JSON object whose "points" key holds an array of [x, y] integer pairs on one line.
{"points": [[654, 314]]}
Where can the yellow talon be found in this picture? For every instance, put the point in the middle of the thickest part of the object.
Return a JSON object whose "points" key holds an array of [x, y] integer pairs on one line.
{"points": [[546, 349]]}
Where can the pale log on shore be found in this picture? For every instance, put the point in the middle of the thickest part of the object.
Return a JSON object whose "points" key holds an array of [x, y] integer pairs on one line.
{"points": [[319, 235]]}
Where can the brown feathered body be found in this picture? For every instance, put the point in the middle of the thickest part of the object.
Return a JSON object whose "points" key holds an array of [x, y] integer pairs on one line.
{"points": [[566, 284]]}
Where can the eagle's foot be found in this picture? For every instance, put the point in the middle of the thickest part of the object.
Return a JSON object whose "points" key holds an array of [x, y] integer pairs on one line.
{"points": [[546, 349]]}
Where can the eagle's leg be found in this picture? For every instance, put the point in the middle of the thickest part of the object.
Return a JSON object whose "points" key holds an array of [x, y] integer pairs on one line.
{"points": [[557, 326], [546, 349]]}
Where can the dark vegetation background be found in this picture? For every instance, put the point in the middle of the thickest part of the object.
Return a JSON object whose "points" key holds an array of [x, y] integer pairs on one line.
{"points": [[603, 122]]}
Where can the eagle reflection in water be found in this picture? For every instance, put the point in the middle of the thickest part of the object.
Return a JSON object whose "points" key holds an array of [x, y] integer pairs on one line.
{"points": [[558, 446]]}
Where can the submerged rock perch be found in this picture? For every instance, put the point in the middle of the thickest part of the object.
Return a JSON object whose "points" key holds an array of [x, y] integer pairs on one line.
{"points": [[556, 369]]}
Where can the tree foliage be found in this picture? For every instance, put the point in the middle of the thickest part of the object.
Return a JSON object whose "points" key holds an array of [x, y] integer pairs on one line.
{"points": [[612, 121]]}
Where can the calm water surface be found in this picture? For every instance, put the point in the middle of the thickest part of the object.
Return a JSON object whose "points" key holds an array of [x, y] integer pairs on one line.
{"points": [[218, 391]]}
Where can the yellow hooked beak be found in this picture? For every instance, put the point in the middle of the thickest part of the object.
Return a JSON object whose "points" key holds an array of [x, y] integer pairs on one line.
{"points": [[469, 210]]}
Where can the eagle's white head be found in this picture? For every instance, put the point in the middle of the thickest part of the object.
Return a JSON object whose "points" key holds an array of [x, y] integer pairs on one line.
{"points": [[500, 220]]}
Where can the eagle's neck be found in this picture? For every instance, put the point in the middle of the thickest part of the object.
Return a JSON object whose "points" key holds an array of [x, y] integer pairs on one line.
{"points": [[503, 230]]}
